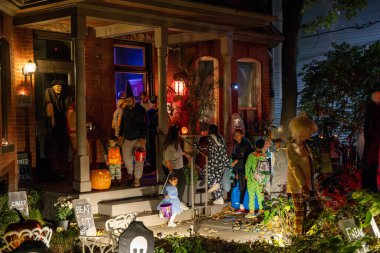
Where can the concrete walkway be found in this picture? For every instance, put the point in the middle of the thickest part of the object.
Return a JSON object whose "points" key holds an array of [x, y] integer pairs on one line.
{"points": [[223, 228]]}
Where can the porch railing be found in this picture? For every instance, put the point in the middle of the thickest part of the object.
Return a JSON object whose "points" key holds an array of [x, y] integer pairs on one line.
{"points": [[192, 166]]}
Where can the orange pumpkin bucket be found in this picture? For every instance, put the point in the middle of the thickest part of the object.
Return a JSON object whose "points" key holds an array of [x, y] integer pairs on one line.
{"points": [[140, 154]]}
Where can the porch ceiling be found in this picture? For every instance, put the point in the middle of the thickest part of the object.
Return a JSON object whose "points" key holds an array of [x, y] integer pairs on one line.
{"points": [[186, 21], [178, 14]]}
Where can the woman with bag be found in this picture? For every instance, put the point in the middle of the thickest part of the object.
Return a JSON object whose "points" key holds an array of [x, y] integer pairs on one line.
{"points": [[173, 160], [217, 163]]}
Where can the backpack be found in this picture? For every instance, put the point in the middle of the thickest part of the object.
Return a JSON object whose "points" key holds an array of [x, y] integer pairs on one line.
{"points": [[262, 173]]}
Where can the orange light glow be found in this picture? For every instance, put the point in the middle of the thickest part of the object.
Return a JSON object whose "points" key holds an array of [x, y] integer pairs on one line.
{"points": [[184, 130], [179, 87]]}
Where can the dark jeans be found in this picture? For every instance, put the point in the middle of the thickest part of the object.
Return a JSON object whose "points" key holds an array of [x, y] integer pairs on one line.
{"points": [[181, 180], [242, 184]]}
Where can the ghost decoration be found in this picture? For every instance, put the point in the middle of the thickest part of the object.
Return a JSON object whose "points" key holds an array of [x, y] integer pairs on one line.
{"points": [[139, 245], [136, 239]]}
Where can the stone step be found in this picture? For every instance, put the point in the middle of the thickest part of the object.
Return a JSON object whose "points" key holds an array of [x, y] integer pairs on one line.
{"points": [[151, 219], [138, 204], [118, 193]]}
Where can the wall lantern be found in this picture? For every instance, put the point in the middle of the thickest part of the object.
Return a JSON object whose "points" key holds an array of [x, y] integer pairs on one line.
{"points": [[179, 87], [24, 98], [29, 68], [179, 83]]}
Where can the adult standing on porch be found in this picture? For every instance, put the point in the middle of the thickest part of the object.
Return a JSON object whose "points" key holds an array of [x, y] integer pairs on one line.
{"points": [[132, 135]]}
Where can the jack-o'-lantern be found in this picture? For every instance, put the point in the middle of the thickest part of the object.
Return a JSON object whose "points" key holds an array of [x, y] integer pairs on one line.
{"points": [[100, 179]]}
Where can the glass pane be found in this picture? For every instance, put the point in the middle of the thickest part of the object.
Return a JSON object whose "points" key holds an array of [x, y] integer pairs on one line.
{"points": [[136, 80], [129, 56], [52, 49]]}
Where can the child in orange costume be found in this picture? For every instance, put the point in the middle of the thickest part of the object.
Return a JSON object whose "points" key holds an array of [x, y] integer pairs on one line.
{"points": [[114, 161]]}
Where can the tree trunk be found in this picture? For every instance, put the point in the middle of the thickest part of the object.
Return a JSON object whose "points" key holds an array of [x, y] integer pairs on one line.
{"points": [[292, 18]]}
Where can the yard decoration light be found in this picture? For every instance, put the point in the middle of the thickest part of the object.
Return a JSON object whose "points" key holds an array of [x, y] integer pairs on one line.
{"points": [[136, 238]]}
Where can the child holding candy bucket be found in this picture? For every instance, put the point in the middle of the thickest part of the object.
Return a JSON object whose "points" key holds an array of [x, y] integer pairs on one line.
{"points": [[171, 197]]}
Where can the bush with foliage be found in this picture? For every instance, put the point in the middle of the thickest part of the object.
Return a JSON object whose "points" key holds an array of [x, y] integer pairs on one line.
{"points": [[338, 88]]}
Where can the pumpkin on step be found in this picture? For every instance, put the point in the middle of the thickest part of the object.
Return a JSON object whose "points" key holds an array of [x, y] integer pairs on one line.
{"points": [[100, 179]]}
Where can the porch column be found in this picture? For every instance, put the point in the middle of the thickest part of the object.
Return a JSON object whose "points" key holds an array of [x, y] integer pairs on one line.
{"points": [[161, 43], [226, 46], [81, 163]]}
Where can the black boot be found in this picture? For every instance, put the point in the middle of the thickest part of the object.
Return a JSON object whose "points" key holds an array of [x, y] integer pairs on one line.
{"points": [[130, 178]]}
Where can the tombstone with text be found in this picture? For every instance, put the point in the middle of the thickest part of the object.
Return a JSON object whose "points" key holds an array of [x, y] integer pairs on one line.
{"points": [[84, 217], [353, 233], [24, 170], [19, 201]]}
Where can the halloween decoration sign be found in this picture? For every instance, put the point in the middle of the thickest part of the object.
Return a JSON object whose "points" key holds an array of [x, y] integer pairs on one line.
{"points": [[84, 217], [19, 201]]}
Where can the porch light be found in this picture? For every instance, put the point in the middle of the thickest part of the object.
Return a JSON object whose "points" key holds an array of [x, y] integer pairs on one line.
{"points": [[29, 68], [179, 79], [179, 87]]}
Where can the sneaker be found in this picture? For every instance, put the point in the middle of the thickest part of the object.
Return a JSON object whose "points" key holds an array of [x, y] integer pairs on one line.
{"points": [[241, 207], [214, 187], [184, 206], [172, 224], [250, 216], [219, 201]]}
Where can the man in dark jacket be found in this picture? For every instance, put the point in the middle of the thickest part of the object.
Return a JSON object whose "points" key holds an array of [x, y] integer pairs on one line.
{"points": [[239, 156], [133, 128]]}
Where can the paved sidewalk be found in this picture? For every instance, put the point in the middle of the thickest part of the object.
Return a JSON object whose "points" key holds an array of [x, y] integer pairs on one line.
{"points": [[223, 228]]}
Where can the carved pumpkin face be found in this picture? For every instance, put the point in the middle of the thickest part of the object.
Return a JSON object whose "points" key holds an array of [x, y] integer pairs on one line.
{"points": [[100, 179]]}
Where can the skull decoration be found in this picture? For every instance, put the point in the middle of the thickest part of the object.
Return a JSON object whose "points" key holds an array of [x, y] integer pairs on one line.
{"points": [[139, 245]]}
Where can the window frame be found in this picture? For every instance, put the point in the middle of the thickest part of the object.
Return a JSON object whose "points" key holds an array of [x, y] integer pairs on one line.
{"points": [[147, 69]]}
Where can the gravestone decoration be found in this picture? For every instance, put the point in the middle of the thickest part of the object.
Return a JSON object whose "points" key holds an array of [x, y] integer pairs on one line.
{"points": [[19, 201], [353, 233], [373, 228], [24, 170], [84, 217], [136, 238]]}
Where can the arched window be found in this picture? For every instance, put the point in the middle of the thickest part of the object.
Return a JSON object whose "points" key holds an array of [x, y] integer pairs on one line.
{"points": [[249, 90], [211, 64]]}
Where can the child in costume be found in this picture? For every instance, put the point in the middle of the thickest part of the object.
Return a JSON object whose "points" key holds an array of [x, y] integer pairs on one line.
{"points": [[171, 196], [279, 163], [114, 161], [256, 179]]}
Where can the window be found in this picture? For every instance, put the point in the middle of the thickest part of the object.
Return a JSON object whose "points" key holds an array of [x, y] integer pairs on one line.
{"points": [[48, 49], [129, 56], [133, 63]]}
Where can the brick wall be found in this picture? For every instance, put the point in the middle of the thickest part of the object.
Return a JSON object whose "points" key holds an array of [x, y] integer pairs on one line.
{"points": [[100, 83], [26, 125], [8, 165]]}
